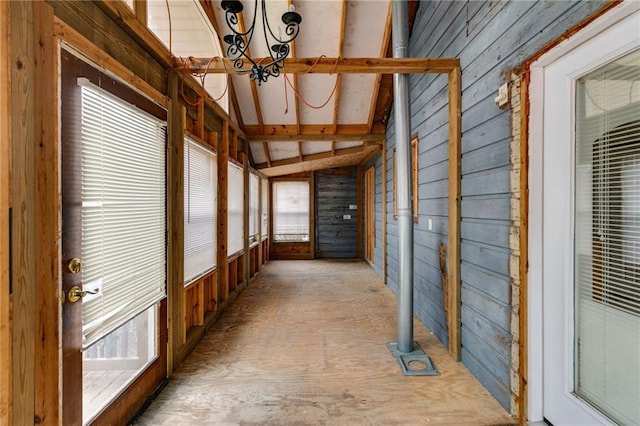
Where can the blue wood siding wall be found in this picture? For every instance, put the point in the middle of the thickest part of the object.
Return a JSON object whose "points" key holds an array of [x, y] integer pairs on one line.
{"points": [[490, 38], [336, 190]]}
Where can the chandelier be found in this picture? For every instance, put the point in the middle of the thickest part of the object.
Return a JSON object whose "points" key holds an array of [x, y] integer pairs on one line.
{"points": [[239, 41]]}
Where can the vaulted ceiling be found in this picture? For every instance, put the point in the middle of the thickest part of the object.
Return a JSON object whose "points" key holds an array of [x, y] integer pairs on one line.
{"points": [[319, 114]]}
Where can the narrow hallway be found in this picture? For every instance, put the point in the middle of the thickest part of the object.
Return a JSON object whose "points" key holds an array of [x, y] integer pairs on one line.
{"points": [[305, 344]]}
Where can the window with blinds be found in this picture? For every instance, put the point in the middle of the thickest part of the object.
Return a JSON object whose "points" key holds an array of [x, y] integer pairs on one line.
{"points": [[291, 211], [254, 193], [607, 238], [123, 211], [200, 210], [265, 206], [235, 209]]}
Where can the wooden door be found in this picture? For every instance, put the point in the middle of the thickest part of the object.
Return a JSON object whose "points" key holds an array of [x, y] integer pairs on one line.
{"points": [[370, 212], [336, 213], [108, 381]]}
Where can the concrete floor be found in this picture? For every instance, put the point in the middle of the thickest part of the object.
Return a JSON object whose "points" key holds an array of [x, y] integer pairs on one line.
{"points": [[305, 344]]}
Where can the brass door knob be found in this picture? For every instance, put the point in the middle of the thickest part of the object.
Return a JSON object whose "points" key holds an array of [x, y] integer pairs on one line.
{"points": [[75, 265], [76, 293]]}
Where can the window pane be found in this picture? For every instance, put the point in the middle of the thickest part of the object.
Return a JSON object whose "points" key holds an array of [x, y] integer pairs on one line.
{"points": [[291, 211], [265, 207], [123, 211], [114, 361], [607, 239], [254, 193], [235, 209], [200, 210]]}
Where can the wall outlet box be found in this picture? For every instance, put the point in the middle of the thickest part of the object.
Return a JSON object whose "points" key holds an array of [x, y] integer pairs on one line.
{"points": [[430, 224], [346, 217], [353, 207]]}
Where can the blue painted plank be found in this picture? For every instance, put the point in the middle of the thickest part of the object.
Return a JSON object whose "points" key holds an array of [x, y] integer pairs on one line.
{"points": [[499, 390], [495, 285], [495, 313], [494, 206], [490, 232], [494, 181], [493, 258]]}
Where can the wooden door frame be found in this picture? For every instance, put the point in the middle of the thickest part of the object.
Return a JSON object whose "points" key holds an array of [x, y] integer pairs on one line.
{"points": [[126, 404], [531, 183], [370, 212]]}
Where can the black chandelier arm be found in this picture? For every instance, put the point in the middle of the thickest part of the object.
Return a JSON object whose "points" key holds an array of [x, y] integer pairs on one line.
{"points": [[239, 41], [292, 29]]}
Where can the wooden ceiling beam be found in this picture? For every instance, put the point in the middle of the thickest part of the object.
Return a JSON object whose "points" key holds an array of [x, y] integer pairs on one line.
{"points": [[313, 157], [363, 137], [291, 130], [333, 65]]}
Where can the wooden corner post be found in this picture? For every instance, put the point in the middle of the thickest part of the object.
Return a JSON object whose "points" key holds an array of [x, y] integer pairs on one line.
{"points": [[175, 213], [455, 99], [223, 265]]}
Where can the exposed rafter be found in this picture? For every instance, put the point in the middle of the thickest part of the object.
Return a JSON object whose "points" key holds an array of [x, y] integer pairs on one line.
{"points": [[267, 155], [336, 107], [386, 39], [385, 88]]}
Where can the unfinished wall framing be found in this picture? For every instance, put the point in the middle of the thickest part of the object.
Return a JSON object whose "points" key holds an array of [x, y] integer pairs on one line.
{"points": [[29, 62]]}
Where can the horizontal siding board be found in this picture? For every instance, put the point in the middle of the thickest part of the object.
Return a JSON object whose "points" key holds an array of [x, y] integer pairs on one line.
{"points": [[434, 172], [489, 157], [433, 207], [495, 206], [484, 280], [487, 132], [492, 258], [486, 355], [494, 314], [494, 181], [491, 232], [498, 389]]}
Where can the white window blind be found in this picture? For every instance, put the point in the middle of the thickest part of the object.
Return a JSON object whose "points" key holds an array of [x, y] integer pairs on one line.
{"points": [[254, 183], [265, 206], [235, 209], [607, 238], [123, 211], [291, 211], [200, 210]]}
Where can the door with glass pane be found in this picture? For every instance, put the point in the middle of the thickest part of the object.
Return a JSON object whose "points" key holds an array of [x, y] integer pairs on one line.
{"points": [[591, 247], [114, 246]]}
